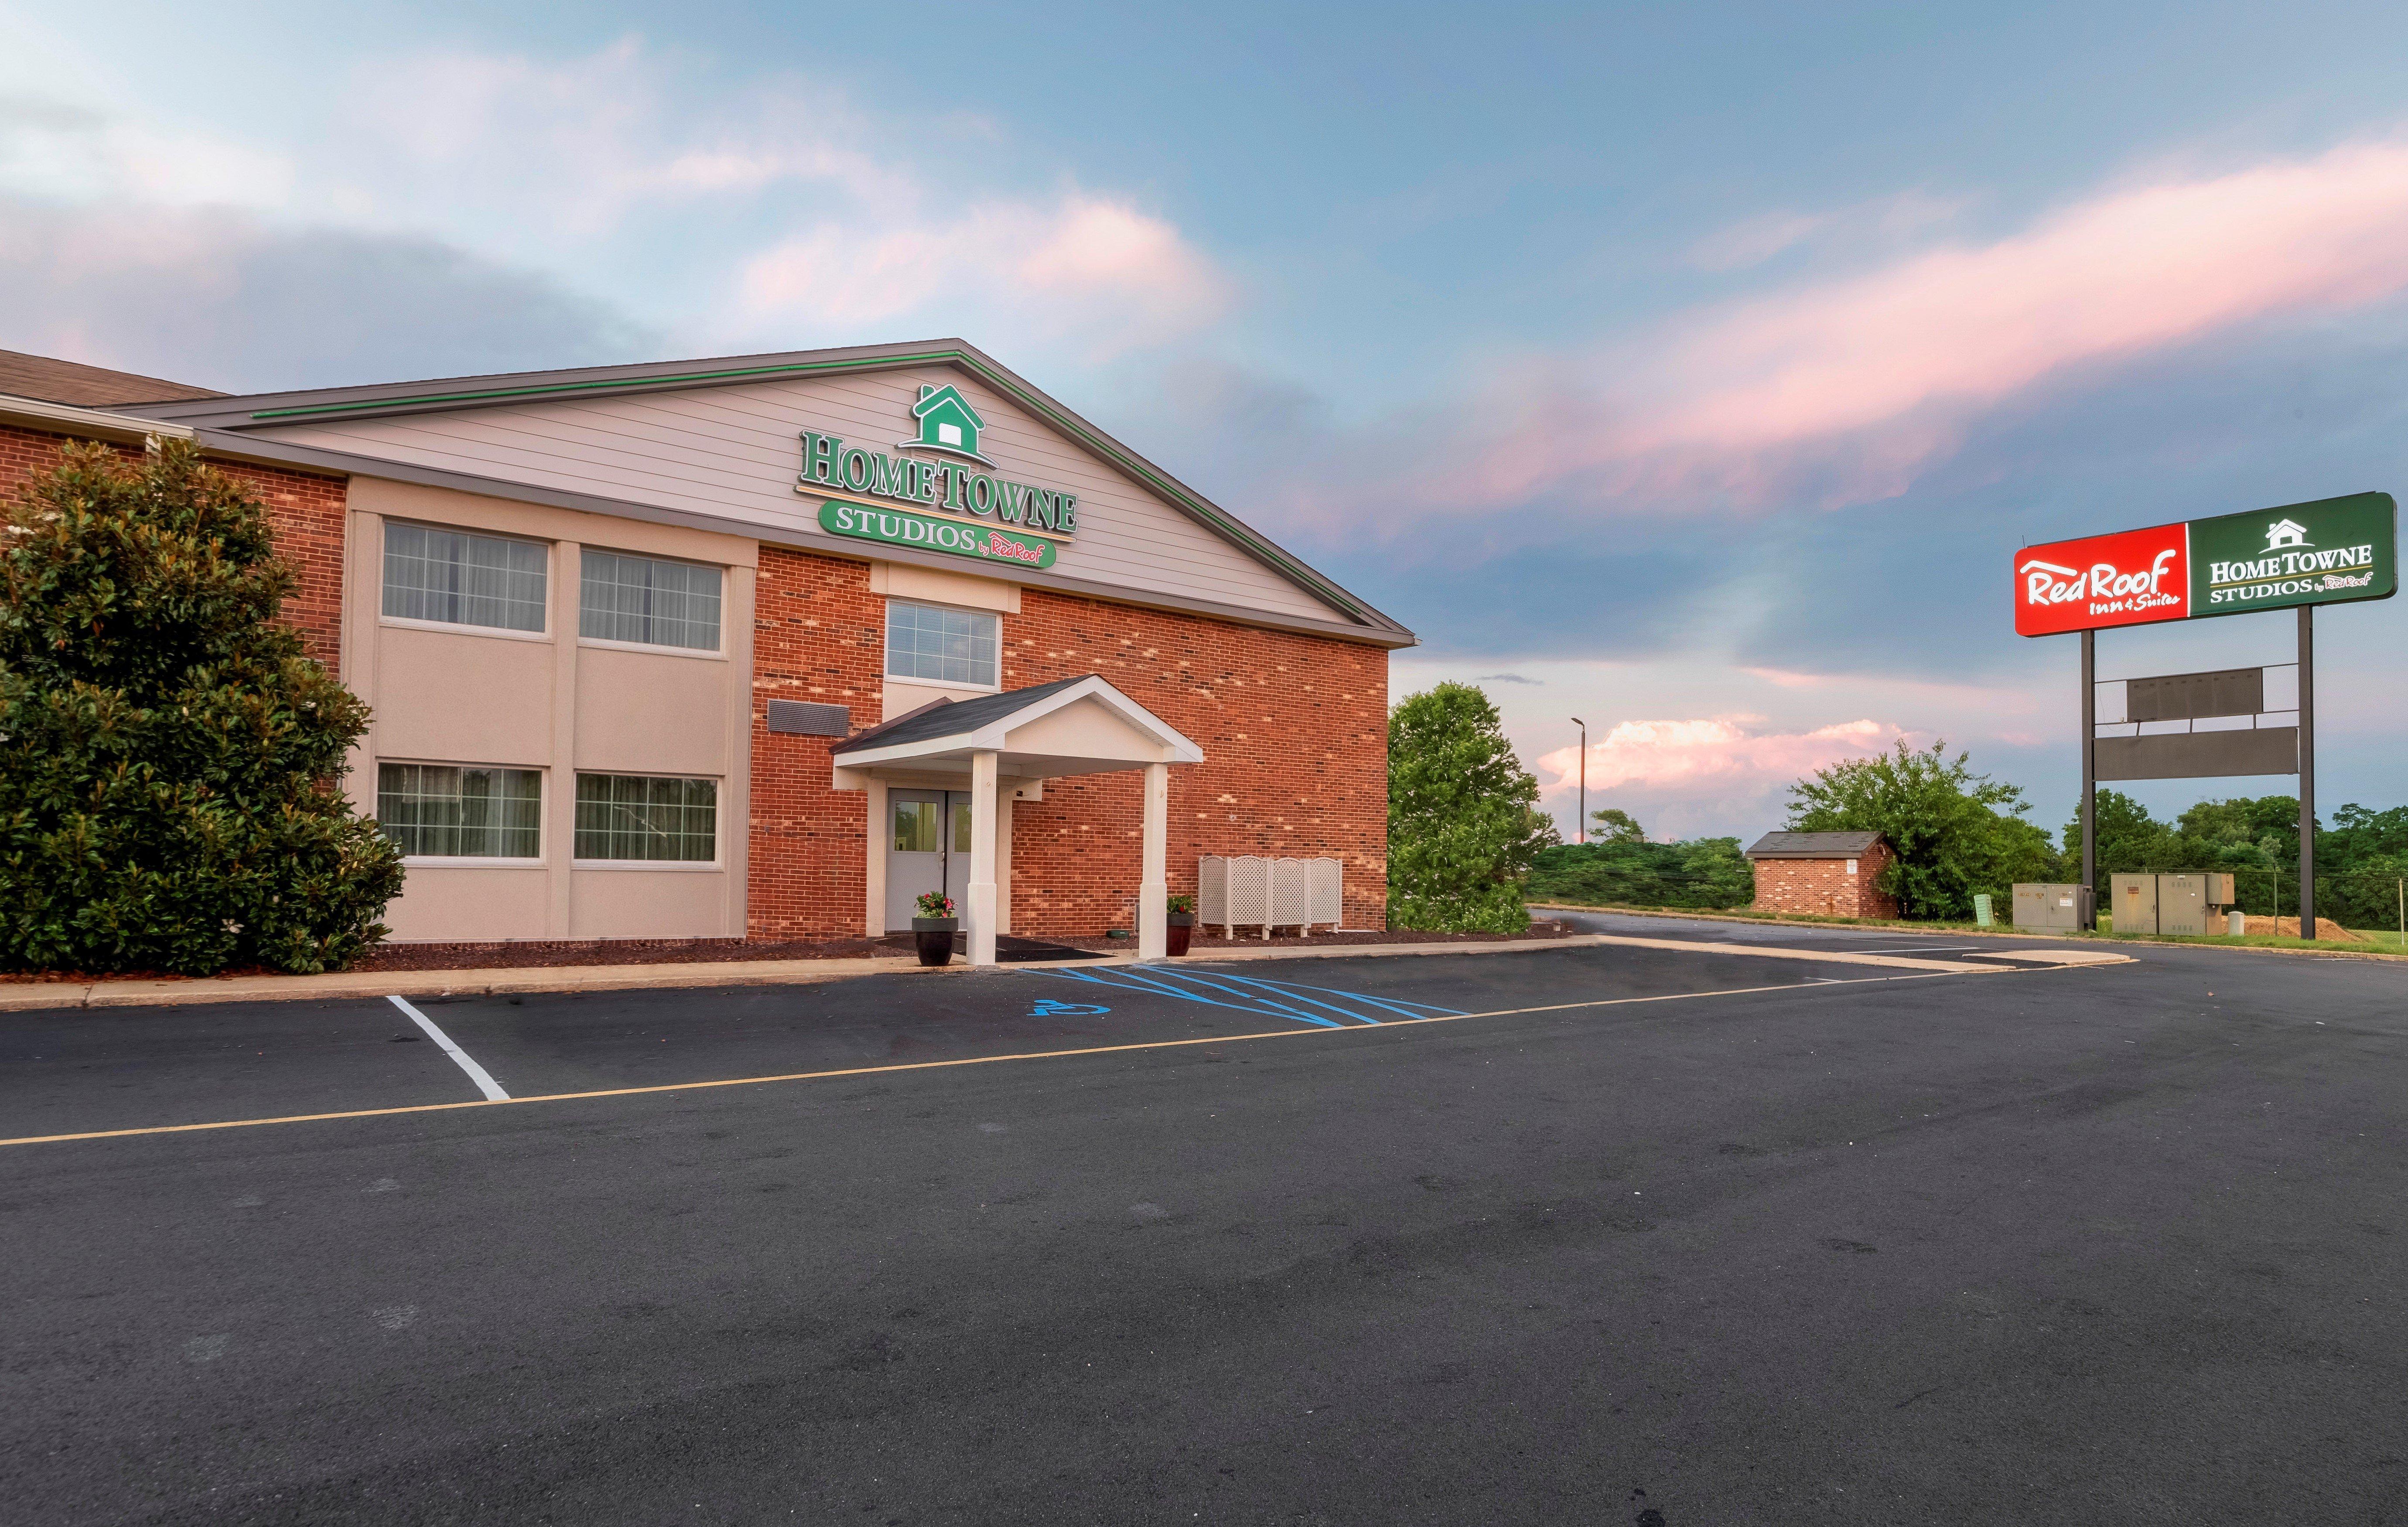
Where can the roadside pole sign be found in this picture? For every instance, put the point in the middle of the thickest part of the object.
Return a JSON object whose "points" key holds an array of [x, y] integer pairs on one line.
{"points": [[2328, 551], [2332, 551]]}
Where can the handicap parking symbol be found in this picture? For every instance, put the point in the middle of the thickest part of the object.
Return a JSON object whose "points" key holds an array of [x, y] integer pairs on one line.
{"points": [[1048, 1008]]}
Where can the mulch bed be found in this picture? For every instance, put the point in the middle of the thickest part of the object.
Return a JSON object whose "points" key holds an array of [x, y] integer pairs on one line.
{"points": [[542, 954], [1203, 941], [536, 953]]}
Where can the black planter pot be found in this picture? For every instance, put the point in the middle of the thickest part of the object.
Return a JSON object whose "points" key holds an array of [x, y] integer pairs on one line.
{"points": [[936, 938], [1177, 929]]}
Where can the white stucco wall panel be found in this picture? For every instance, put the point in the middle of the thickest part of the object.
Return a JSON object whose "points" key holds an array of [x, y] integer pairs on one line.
{"points": [[440, 903], [652, 903], [448, 697], [734, 452], [652, 713]]}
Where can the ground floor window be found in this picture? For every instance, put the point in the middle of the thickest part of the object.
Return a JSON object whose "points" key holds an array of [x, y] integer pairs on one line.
{"points": [[647, 819], [461, 811]]}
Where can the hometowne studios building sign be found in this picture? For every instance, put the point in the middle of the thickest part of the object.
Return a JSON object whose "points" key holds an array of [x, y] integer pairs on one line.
{"points": [[950, 429], [2329, 551]]}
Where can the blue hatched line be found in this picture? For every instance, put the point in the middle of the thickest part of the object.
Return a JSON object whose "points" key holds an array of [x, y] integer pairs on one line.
{"points": [[1395, 1005], [1284, 992], [1363, 996], [1126, 981], [1207, 981]]}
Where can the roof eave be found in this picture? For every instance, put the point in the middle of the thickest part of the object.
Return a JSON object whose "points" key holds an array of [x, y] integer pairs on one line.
{"points": [[268, 411]]}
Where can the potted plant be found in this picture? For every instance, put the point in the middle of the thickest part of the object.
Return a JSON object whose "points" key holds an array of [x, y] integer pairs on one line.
{"points": [[933, 925], [1178, 925]]}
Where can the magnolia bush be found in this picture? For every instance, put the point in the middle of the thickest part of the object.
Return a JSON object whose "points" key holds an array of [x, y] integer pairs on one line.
{"points": [[170, 762]]}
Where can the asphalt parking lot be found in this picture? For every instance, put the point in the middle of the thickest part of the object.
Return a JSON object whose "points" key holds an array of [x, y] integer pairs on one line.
{"points": [[1578, 1236]]}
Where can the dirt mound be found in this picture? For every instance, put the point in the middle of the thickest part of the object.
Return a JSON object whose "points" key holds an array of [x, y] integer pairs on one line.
{"points": [[2289, 928]]}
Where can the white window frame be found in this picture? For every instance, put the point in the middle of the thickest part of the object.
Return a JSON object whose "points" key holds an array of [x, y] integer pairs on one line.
{"points": [[542, 813], [407, 622], [886, 646], [717, 860], [718, 654]]}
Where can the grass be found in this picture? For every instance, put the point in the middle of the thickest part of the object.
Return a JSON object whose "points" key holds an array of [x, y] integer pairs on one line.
{"points": [[2383, 941]]}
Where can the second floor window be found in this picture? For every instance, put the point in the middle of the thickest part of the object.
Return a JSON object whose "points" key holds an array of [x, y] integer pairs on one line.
{"points": [[940, 645], [648, 601], [457, 578]]}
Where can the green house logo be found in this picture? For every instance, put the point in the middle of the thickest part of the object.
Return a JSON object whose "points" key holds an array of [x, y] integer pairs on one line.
{"points": [[946, 423]]}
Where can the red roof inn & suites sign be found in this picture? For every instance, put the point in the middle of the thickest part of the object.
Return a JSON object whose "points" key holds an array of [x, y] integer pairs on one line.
{"points": [[2327, 553]]}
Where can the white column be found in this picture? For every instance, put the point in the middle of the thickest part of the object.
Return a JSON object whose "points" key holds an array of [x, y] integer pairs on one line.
{"points": [[873, 876], [1152, 886], [982, 886], [1003, 860], [559, 807]]}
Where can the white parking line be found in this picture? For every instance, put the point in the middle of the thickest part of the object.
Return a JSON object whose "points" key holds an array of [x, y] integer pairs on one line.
{"points": [[476, 1074]]}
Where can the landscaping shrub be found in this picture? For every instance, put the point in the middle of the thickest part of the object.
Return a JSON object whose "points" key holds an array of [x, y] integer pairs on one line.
{"points": [[1463, 817], [1704, 871], [170, 760]]}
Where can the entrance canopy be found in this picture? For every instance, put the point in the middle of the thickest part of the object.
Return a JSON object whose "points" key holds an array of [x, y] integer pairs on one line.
{"points": [[1073, 726], [1046, 731]]}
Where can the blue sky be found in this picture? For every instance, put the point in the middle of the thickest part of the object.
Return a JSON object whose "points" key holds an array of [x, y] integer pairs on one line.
{"points": [[1694, 370]]}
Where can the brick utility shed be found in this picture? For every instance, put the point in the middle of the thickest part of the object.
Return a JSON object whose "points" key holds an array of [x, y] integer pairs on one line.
{"points": [[1828, 873]]}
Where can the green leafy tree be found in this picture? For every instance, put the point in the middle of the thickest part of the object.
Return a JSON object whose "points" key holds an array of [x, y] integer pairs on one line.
{"points": [[1955, 831], [169, 761], [1706, 871], [1610, 825], [1463, 817]]}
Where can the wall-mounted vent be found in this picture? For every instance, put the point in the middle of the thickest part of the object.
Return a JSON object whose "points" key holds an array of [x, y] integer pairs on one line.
{"points": [[801, 718]]}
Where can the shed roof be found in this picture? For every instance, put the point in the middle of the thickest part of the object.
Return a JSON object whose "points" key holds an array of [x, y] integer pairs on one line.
{"points": [[1814, 845], [86, 386]]}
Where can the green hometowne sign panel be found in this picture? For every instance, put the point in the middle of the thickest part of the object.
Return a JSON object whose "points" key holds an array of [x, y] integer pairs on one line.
{"points": [[2327, 553], [897, 527]]}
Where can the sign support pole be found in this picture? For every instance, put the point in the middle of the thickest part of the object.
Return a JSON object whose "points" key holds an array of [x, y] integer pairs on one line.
{"points": [[2307, 772], [2086, 914]]}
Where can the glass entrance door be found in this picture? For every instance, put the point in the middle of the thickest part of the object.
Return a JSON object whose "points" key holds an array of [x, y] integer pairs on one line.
{"points": [[928, 849]]}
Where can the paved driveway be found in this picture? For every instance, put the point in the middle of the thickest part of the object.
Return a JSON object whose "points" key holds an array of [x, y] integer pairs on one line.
{"points": [[1715, 1236]]}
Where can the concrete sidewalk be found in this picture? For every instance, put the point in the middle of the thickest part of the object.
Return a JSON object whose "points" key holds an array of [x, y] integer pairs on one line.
{"points": [[32, 995]]}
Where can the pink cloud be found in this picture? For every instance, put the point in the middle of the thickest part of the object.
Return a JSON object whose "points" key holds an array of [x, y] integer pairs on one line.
{"points": [[1092, 266], [1856, 384], [1718, 750]]}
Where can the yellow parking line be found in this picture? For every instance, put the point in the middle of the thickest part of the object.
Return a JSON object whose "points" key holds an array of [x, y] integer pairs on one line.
{"points": [[941, 1065]]}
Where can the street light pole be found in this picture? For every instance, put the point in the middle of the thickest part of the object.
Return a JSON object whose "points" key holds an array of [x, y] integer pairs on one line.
{"points": [[1582, 830]]}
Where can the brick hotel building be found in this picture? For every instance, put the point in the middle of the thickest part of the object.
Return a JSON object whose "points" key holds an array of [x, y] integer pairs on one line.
{"points": [[763, 645]]}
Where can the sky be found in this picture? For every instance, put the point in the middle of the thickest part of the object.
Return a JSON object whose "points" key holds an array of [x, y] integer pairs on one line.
{"points": [[1695, 370]]}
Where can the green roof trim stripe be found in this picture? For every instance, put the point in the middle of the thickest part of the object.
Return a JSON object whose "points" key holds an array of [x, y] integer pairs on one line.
{"points": [[419, 399], [1034, 401]]}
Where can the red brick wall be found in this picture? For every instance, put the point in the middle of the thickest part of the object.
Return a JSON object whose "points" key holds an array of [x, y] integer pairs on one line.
{"points": [[1294, 731], [1295, 735], [817, 634], [1825, 887], [305, 512]]}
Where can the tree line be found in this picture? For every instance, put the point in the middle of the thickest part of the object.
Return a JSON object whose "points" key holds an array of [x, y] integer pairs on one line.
{"points": [[1467, 845]]}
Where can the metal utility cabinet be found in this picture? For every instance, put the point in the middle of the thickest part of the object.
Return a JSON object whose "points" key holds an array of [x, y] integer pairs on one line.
{"points": [[2133, 900], [2185, 905], [2054, 908]]}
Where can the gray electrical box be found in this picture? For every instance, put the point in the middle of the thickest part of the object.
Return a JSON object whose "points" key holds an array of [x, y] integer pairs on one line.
{"points": [[2133, 900], [2048, 908], [2182, 905], [2220, 891]]}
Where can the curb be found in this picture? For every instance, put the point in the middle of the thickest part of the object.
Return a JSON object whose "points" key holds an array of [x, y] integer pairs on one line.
{"points": [[37, 995], [2109, 941]]}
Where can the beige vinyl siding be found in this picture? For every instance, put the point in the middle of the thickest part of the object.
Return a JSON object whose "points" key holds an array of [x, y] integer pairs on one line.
{"points": [[733, 451]]}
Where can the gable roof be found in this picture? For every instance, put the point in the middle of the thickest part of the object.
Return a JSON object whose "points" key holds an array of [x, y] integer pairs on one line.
{"points": [[52, 380], [951, 727], [230, 417], [1814, 845]]}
